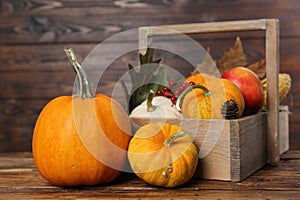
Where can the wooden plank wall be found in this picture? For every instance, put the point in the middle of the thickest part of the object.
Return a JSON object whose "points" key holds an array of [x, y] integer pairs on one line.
{"points": [[34, 69]]}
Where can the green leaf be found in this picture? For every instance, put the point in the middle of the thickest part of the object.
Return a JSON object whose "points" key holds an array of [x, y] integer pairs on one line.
{"points": [[150, 76], [141, 94]]}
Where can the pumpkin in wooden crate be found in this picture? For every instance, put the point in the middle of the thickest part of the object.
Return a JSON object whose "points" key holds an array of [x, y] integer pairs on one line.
{"points": [[163, 154], [217, 98], [81, 139]]}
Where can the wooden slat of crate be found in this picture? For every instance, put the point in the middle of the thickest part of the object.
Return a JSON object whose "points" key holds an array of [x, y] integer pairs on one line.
{"points": [[248, 151], [284, 129], [214, 152]]}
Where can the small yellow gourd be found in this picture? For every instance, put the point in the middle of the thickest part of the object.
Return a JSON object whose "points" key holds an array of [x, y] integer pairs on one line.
{"points": [[284, 82], [163, 154]]}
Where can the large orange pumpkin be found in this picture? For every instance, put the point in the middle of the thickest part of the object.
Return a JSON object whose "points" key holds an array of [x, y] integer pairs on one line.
{"points": [[163, 154], [81, 139], [217, 98]]}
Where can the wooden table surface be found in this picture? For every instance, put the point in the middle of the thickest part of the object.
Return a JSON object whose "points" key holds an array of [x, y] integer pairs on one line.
{"points": [[19, 179]]}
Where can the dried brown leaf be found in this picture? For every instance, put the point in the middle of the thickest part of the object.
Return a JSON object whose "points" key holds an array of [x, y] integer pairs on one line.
{"points": [[208, 65], [233, 57], [259, 68]]}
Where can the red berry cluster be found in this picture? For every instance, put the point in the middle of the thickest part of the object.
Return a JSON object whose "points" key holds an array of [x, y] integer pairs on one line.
{"points": [[167, 91]]}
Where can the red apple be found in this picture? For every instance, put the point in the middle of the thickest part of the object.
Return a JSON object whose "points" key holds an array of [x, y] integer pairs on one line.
{"points": [[250, 87]]}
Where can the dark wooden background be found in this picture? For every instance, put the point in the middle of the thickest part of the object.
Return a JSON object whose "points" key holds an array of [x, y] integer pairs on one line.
{"points": [[34, 69]]}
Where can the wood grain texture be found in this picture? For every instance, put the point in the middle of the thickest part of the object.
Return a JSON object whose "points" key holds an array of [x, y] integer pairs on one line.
{"points": [[272, 70], [284, 139], [64, 21], [17, 66], [20, 179], [248, 146]]}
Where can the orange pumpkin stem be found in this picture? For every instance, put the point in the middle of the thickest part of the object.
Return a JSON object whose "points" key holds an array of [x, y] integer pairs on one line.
{"points": [[170, 141], [181, 96], [84, 90]]}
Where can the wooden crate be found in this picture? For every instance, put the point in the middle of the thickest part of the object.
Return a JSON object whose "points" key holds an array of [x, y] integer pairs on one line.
{"points": [[242, 146]]}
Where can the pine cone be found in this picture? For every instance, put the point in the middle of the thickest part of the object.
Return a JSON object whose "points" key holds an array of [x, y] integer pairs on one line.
{"points": [[230, 109]]}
